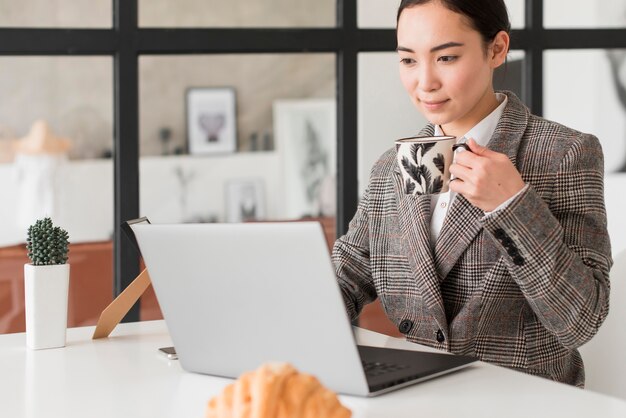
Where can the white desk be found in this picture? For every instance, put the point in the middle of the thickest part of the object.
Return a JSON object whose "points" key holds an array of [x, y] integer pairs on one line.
{"points": [[125, 376]]}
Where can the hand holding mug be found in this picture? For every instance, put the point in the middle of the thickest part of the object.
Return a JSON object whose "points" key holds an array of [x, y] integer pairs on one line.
{"points": [[484, 177]]}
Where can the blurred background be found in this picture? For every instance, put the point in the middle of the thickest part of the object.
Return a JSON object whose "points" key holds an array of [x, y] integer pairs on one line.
{"points": [[234, 136]]}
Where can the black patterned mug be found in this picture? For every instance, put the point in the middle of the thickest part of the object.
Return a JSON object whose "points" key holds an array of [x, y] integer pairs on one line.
{"points": [[424, 162]]}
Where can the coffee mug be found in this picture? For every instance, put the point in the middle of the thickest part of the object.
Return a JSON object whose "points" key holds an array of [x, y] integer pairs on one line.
{"points": [[425, 161]]}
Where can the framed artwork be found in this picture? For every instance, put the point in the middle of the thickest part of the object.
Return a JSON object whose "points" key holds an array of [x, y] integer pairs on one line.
{"points": [[211, 120], [305, 133], [245, 200]]}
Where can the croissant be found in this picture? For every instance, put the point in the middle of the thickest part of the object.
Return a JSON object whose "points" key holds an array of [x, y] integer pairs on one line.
{"points": [[276, 390]]}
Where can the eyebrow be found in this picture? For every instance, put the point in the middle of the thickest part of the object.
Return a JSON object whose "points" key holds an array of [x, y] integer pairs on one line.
{"points": [[433, 49]]}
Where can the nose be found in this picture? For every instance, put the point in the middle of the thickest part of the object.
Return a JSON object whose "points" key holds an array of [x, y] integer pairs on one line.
{"points": [[428, 79]]}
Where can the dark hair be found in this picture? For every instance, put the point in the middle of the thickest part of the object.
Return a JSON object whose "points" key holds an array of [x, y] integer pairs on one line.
{"points": [[488, 17]]}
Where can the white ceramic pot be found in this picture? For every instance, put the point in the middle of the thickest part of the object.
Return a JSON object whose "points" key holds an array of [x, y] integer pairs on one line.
{"points": [[46, 291]]}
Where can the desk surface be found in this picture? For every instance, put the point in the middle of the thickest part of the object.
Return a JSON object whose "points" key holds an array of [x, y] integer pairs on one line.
{"points": [[125, 376]]}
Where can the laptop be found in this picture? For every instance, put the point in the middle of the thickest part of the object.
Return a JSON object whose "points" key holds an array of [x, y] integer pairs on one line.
{"points": [[234, 296]]}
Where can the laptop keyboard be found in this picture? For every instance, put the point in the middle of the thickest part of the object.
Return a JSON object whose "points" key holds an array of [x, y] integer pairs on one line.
{"points": [[373, 369]]}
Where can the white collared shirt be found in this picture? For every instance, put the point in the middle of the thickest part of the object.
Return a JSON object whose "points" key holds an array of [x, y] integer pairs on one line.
{"points": [[481, 133]]}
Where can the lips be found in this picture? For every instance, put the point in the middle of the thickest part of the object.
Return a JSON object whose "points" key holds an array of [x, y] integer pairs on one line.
{"points": [[434, 104]]}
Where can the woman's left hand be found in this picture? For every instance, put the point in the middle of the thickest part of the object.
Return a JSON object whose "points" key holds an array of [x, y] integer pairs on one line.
{"points": [[484, 177]]}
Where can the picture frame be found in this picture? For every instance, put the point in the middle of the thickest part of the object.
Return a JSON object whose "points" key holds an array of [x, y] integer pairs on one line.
{"points": [[245, 200], [211, 120], [305, 132]]}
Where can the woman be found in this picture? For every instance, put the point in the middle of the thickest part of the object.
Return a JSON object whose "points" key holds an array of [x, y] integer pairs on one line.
{"points": [[512, 264]]}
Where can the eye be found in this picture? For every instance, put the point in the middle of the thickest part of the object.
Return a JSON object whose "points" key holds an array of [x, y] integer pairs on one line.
{"points": [[447, 58], [407, 61]]}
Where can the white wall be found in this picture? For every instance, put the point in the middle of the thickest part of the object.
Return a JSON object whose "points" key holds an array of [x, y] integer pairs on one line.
{"points": [[614, 187]]}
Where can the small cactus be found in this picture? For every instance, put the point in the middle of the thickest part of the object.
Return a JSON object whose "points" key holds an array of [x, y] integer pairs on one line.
{"points": [[47, 244]]}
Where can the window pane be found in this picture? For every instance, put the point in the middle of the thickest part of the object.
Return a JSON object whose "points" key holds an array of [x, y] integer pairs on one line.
{"points": [[382, 14], [599, 105], [510, 75], [376, 14], [278, 163], [40, 176], [586, 14], [56, 14], [247, 13], [516, 10]]}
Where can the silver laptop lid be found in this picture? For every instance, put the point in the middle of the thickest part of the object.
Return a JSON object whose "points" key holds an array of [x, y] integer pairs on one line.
{"points": [[237, 295]]}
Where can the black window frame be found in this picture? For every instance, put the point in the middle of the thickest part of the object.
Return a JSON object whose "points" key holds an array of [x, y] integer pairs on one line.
{"points": [[126, 42]]}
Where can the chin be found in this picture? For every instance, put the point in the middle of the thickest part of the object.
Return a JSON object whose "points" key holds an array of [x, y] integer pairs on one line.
{"points": [[436, 119]]}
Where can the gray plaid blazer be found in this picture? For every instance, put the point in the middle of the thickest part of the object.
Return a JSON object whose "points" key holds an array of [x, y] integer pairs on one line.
{"points": [[522, 287]]}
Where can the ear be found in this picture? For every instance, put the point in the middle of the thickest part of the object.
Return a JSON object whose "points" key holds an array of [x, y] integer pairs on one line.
{"points": [[499, 49]]}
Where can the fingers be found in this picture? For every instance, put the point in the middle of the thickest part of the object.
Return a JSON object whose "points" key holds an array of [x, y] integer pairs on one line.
{"points": [[476, 148], [467, 158], [485, 177], [475, 157], [466, 180], [457, 185], [460, 172]]}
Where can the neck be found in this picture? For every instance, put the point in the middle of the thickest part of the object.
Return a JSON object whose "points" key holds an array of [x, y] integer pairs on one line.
{"points": [[487, 104]]}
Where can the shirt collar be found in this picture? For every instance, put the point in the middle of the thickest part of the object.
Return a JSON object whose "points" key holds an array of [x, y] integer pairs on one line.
{"points": [[483, 130]]}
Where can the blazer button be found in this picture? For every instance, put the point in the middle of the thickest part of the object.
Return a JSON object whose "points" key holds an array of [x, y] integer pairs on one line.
{"points": [[405, 326], [507, 242], [499, 233], [440, 337], [518, 260]]}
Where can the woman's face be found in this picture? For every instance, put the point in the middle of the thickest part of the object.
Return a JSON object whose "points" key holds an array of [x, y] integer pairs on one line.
{"points": [[444, 67]]}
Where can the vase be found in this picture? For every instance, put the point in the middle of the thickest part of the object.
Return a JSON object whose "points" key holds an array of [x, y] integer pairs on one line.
{"points": [[46, 294]]}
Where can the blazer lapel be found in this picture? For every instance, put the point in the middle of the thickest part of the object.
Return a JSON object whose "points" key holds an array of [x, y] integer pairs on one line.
{"points": [[462, 222], [414, 217], [508, 135], [460, 226]]}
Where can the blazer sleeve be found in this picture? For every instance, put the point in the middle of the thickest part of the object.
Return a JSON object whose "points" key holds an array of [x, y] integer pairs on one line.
{"points": [[352, 263], [558, 249]]}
